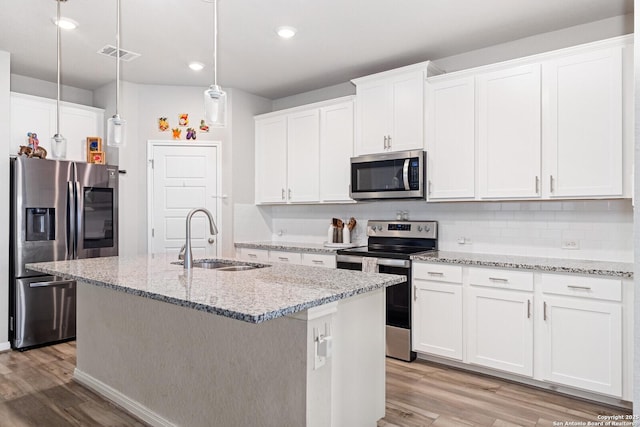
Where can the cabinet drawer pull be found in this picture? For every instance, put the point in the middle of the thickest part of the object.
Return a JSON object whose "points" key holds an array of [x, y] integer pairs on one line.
{"points": [[583, 288], [544, 310], [252, 255], [282, 258], [528, 309], [435, 273], [317, 261], [498, 279]]}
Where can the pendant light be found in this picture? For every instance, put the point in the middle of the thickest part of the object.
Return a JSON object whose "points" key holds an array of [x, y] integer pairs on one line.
{"points": [[116, 125], [215, 99], [58, 142]]}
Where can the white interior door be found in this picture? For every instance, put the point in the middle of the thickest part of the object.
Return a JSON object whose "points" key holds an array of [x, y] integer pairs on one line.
{"points": [[183, 177]]}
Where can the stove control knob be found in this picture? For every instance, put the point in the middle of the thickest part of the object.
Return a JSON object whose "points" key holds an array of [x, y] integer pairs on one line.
{"points": [[419, 228], [427, 229], [379, 228]]}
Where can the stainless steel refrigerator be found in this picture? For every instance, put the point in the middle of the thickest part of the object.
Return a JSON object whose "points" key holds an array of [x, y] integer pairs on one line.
{"points": [[60, 210]]}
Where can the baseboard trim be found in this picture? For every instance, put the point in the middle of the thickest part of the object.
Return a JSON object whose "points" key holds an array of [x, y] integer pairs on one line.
{"points": [[133, 407], [5, 346]]}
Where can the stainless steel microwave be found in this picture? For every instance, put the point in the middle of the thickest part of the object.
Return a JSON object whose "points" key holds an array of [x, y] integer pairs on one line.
{"points": [[397, 175]]}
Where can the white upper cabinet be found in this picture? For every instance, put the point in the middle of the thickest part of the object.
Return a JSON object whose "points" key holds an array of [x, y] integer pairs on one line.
{"points": [[390, 110], [450, 143], [36, 114], [336, 149], [302, 154], [509, 132], [583, 124], [271, 160]]}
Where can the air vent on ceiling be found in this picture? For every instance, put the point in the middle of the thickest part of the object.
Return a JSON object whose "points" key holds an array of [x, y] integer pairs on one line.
{"points": [[125, 55]]}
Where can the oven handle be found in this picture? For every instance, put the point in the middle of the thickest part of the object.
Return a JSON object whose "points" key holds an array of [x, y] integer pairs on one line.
{"points": [[389, 262]]}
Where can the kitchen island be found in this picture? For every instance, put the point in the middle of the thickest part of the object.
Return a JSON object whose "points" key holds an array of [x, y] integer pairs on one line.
{"points": [[231, 348]]}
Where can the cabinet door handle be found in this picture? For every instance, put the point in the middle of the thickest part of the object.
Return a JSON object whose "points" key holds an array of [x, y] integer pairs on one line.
{"points": [[537, 184], [283, 194], [435, 273], [429, 187], [289, 194], [385, 142], [551, 183], [544, 311], [415, 293], [528, 309], [583, 288], [498, 279], [389, 139]]}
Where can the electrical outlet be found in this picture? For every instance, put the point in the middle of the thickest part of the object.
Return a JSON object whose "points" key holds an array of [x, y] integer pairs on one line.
{"points": [[464, 240], [570, 244]]}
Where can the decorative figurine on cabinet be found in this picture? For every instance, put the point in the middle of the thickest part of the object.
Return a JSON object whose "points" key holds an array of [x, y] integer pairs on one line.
{"points": [[183, 119], [191, 133], [39, 152], [176, 133], [203, 126]]}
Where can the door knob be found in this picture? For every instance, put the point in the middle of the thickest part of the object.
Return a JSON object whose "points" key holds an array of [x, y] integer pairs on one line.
{"points": [[211, 240]]}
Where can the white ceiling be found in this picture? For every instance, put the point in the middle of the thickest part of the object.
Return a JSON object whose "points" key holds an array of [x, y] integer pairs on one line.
{"points": [[337, 40]]}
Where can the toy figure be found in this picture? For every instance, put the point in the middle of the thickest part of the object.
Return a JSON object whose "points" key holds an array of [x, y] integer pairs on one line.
{"points": [[203, 126], [163, 124], [176, 133], [33, 140], [39, 152], [191, 133], [183, 119]]}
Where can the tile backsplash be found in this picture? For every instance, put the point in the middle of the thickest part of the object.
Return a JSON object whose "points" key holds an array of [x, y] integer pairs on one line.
{"points": [[589, 229]]}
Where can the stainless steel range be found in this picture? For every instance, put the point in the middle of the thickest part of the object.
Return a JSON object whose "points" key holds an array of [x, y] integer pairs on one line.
{"points": [[392, 243]]}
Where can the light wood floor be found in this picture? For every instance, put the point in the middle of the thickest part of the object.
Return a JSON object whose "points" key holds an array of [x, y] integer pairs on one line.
{"points": [[36, 389]]}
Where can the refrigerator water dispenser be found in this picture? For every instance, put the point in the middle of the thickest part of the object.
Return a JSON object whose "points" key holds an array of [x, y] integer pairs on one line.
{"points": [[41, 224]]}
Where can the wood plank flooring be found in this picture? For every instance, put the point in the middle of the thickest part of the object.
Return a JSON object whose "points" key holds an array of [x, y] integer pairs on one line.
{"points": [[36, 389], [427, 394]]}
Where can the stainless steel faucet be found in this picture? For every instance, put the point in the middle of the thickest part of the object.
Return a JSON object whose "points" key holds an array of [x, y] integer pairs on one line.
{"points": [[188, 255]]}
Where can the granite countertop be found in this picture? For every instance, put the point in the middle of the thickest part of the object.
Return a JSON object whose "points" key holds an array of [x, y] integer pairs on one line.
{"points": [[599, 268], [292, 246], [252, 296]]}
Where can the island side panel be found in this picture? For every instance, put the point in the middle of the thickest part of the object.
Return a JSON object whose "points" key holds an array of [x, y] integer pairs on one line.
{"points": [[358, 371], [188, 367]]}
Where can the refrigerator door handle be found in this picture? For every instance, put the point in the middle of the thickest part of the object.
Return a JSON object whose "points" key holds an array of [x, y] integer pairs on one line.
{"points": [[53, 283], [76, 218], [70, 219]]}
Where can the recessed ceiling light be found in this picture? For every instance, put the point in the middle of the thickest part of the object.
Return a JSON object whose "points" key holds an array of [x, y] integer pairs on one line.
{"points": [[286, 32], [65, 23], [196, 66]]}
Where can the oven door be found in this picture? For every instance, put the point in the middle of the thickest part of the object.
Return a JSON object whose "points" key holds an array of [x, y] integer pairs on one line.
{"points": [[398, 304]]}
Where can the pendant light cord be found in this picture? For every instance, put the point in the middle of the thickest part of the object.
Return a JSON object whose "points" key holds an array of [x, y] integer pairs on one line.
{"points": [[58, 69], [215, 42], [117, 56]]}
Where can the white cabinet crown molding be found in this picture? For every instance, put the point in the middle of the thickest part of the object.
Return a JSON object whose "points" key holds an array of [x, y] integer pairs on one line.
{"points": [[428, 67], [305, 107]]}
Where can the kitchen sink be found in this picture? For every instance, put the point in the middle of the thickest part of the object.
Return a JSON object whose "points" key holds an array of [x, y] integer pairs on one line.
{"points": [[224, 265]]}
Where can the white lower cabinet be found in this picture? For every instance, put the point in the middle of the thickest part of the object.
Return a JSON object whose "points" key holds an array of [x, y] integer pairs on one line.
{"points": [[500, 329], [318, 260], [285, 257], [565, 330], [437, 310], [327, 260], [581, 329], [256, 255]]}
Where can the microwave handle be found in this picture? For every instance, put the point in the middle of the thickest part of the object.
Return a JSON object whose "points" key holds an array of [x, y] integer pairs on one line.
{"points": [[405, 174]]}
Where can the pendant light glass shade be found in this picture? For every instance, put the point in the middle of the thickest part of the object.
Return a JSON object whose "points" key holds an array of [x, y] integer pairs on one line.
{"points": [[116, 125], [58, 142], [215, 106], [215, 99], [58, 146]]}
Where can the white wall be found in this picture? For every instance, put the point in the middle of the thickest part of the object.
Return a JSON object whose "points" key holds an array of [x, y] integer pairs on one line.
{"points": [[45, 89], [5, 148]]}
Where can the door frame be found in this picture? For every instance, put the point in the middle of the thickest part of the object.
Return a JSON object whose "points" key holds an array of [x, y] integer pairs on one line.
{"points": [[151, 144]]}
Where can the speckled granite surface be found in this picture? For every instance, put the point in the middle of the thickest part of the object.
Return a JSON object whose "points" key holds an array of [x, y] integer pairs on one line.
{"points": [[253, 296], [289, 247], [600, 268]]}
